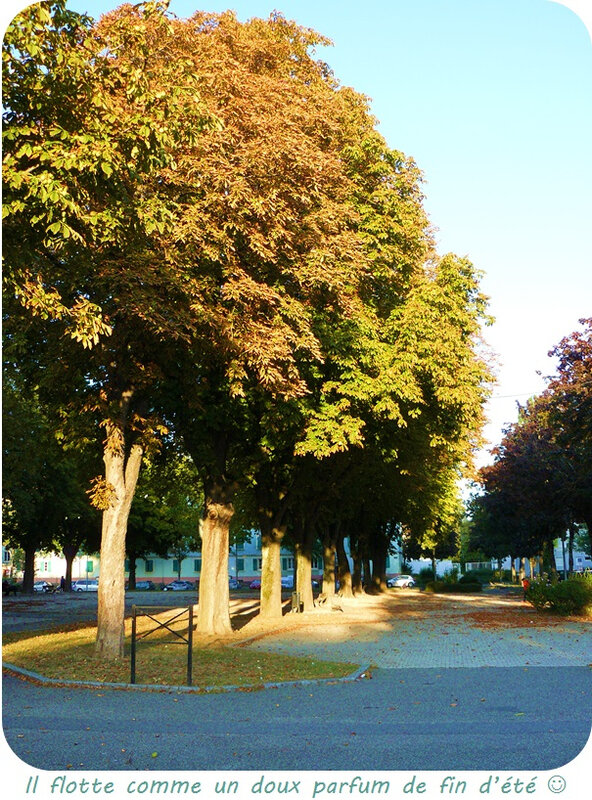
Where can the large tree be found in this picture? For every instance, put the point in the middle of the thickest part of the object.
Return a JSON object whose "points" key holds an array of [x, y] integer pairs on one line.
{"points": [[93, 114]]}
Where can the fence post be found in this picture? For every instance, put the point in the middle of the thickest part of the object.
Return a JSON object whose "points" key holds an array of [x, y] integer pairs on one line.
{"points": [[133, 653], [190, 648]]}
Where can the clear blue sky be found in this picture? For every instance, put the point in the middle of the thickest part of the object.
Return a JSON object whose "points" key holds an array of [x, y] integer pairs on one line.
{"points": [[493, 100]]}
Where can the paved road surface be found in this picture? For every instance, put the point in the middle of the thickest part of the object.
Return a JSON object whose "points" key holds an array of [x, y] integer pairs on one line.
{"points": [[401, 719], [439, 700]]}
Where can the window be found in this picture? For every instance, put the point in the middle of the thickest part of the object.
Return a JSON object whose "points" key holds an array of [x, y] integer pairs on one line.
{"points": [[240, 564], [257, 563], [46, 566], [90, 566], [287, 563], [197, 564], [149, 565], [317, 562]]}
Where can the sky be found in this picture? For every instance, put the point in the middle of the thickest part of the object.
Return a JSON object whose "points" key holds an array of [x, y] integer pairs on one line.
{"points": [[492, 98]]}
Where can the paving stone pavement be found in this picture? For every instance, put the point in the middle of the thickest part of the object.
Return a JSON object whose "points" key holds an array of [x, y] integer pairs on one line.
{"points": [[450, 639]]}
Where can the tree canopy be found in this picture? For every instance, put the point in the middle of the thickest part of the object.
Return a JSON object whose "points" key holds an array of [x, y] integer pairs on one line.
{"points": [[208, 243]]}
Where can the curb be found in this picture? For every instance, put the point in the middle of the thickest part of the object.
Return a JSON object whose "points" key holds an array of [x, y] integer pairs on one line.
{"points": [[147, 687]]}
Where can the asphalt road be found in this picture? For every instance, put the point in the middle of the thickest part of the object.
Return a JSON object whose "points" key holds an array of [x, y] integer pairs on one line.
{"points": [[511, 718], [451, 715]]}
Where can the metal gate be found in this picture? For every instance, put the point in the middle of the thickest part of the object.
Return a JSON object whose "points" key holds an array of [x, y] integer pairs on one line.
{"points": [[143, 611]]}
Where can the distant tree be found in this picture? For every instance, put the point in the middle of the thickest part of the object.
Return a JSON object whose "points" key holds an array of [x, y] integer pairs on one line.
{"points": [[44, 483]]}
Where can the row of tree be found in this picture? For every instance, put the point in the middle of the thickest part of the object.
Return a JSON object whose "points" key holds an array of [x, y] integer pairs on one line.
{"points": [[212, 254], [539, 486]]}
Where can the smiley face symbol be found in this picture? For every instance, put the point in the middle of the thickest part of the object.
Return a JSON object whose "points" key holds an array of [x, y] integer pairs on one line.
{"points": [[556, 784]]}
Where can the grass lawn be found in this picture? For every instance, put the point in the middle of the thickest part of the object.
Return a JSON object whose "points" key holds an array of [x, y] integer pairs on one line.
{"points": [[68, 654]]}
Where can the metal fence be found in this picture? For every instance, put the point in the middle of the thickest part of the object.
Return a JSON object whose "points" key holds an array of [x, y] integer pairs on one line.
{"points": [[183, 638]]}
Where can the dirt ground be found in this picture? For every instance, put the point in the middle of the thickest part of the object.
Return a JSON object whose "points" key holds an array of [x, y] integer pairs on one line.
{"points": [[370, 614]]}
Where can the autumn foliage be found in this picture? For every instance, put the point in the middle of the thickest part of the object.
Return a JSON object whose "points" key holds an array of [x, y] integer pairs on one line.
{"points": [[251, 274]]}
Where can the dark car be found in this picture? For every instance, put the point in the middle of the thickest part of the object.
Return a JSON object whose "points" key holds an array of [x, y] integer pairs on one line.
{"points": [[9, 588], [256, 584], [234, 583], [179, 586], [145, 586]]}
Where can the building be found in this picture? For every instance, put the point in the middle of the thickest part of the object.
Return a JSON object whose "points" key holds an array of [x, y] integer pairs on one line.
{"points": [[244, 563]]}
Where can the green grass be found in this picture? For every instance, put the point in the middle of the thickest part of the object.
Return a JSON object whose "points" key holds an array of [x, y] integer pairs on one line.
{"points": [[69, 655]]}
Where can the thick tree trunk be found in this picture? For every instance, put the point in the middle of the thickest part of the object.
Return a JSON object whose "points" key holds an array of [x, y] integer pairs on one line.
{"points": [[304, 577], [121, 475], [29, 570], [571, 549], [522, 572], [343, 570], [303, 583], [328, 541], [271, 573], [213, 615], [357, 583], [379, 555], [69, 552]]}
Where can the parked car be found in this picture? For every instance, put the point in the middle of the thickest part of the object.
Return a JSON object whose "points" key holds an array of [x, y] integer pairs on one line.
{"points": [[256, 584], [86, 585], [42, 586], [145, 586], [234, 583], [288, 582], [179, 586], [400, 582]]}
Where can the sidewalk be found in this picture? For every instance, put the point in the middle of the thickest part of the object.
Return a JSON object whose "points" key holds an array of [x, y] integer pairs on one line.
{"points": [[415, 630]]}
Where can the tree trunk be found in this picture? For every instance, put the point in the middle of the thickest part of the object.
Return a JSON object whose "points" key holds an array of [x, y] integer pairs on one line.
{"points": [[131, 581], [69, 551], [357, 584], [588, 523], [379, 556], [121, 475], [343, 570], [304, 576], [513, 569], [531, 564], [522, 572], [367, 576], [29, 570], [213, 616], [271, 573], [328, 588], [571, 549]]}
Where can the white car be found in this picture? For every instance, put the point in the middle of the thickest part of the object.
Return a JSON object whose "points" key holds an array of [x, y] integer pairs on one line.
{"points": [[42, 586], [86, 585], [400, 582]]}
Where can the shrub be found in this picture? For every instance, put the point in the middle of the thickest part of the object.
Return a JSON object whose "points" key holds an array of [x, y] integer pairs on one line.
{"points": [[451, 576], [573, 596], [425, 576], [469, 577], [481, 575]]}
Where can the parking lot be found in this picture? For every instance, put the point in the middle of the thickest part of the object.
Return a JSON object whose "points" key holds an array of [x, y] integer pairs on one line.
{"points": [[30, 612]]}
